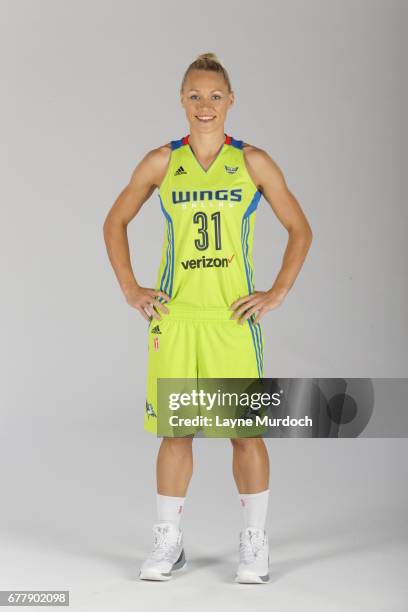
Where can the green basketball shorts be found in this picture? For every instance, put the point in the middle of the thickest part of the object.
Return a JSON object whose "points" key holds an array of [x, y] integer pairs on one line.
{"points": [[199, 344]]}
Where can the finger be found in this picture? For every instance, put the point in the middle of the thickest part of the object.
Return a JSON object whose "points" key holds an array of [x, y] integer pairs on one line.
{"points": [[241, 301], [162, 295], [248, 300], [248, 314], [142, 312], [259, 316], [244, 308], [162, 307], [151, 311], [239, 310]]}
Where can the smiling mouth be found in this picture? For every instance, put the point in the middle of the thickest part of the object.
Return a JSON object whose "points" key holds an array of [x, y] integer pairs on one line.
{"points": [[205, 118]]}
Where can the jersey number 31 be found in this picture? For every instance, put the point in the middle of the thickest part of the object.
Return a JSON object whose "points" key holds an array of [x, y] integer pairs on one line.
{"points": [[202, 219]]}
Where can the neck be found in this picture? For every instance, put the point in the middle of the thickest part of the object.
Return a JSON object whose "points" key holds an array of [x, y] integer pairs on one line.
{"points": [[206, 145]]}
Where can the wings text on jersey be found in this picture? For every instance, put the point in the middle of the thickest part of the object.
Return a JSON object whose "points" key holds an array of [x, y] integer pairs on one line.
{"points": [[181, 197]]}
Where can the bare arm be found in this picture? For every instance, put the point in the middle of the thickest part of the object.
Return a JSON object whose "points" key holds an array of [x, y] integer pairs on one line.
{"points": [[146, 177], [270, 181]]}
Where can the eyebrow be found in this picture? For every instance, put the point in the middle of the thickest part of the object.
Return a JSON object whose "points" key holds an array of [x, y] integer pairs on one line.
{"points": [[212, 91]]}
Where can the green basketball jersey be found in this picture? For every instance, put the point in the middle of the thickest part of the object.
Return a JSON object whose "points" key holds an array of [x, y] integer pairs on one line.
{"points": [[207, 252]]}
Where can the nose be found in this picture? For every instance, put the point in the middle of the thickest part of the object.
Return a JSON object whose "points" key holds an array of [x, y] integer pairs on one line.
{"points": [[204, 106], [204, 102]]}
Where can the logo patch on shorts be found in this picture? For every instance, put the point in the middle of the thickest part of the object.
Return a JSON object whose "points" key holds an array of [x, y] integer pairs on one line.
{"points": [[156, 330], [150, 410]]}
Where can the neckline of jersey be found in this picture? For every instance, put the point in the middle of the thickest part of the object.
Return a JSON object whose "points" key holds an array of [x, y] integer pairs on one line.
{"points": [[186, 141]]}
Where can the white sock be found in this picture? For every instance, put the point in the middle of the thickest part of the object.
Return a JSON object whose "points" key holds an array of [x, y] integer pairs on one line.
{"points": [[255, 507], [169, 509]]}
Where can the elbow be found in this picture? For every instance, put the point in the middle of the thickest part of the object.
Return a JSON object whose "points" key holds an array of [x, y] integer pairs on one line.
{"points": [[309, 235], [302, 233], [106, 229], [302, 237], [307, 239], [113, 227], [306, 234]]}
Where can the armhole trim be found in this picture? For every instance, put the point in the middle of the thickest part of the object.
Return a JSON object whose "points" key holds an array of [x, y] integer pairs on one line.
{"points": [[167, 173], [247, 171]]}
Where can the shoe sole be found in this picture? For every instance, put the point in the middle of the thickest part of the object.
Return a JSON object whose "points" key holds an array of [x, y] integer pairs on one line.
{"points": [[179, 565], [252, 579]]}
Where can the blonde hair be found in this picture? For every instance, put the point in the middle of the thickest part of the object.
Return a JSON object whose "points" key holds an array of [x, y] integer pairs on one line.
{"points": [[210, 62]]}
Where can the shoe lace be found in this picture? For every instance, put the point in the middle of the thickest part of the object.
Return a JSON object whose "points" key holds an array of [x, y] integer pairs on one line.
{"points": [[251, 545], [163, 544]]}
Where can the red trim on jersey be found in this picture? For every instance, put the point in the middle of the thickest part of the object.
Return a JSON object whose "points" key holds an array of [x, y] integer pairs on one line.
{"points": [[186, 139]]}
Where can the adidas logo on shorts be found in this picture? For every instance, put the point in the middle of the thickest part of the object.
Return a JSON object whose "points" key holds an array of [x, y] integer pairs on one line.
{"points": [[180, 170], [156, 330]]}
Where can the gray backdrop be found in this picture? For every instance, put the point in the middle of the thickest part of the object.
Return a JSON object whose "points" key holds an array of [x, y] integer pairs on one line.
{"points": [[88, 87]]}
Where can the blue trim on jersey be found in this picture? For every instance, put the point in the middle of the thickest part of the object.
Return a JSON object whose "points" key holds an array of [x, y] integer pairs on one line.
{"points": [[254, 204], [176, 144], [244, 237], [238, 144], [255, 328], [168, 272]]}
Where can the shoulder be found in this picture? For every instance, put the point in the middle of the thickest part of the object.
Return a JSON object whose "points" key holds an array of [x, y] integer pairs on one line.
{"points": [[154, 164], [256, 156], [259, 164], [159, 156]]}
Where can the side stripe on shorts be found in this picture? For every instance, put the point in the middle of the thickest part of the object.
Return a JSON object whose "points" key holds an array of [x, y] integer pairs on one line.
{"points": [[255, 328]]}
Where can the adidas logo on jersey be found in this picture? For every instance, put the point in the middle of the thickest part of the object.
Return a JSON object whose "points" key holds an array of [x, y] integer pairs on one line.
{"points": [[180, 170], [231, 169], [156, 330]]}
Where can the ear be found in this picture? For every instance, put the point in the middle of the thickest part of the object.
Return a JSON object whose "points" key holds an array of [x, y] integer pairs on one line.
{"points": [[231, 98]]}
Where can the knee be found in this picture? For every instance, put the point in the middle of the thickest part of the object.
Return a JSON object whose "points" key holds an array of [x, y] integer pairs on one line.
{"points": [[247, 444], [179, 446]]}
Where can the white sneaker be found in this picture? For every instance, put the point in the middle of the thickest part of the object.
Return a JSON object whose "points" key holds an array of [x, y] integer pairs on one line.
{"points": [[253, 557], [167, 554]]}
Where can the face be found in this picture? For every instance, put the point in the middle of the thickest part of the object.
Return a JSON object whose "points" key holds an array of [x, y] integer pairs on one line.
{"points": [[206, 100]]}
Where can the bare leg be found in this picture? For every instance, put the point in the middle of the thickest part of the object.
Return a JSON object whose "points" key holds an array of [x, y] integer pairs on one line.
{"points": [[250, 464], [174, 466]]}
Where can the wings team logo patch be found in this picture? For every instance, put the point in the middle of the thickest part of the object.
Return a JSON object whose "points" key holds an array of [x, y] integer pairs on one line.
{"points": [[231, 169], [150, 410]]}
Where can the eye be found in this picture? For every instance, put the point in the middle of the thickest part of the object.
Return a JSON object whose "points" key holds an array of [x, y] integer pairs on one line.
{"points": [[217, 97], [193, 97]]}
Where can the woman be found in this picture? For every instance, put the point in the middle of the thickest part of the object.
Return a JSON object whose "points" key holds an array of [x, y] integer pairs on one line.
{"points": [[209, 187]]}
